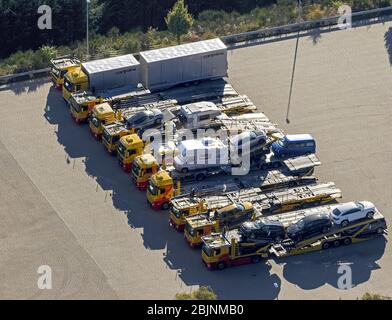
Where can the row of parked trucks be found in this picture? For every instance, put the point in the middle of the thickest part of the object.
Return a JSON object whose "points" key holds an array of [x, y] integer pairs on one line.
{"points": [[257, 198]]}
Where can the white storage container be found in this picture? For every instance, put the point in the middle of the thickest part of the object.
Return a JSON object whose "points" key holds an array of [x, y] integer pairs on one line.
{"points": [[167, 67], [112, 73]]}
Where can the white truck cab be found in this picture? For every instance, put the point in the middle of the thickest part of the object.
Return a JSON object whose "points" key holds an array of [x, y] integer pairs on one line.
{"points": [[201, 154]]}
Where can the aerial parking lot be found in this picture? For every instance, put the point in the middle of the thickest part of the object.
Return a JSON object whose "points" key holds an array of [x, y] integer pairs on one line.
{"points": [[66, 203]]}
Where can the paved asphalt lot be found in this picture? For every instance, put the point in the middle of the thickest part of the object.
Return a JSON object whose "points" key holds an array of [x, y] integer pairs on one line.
{"points": [[65, 203]]}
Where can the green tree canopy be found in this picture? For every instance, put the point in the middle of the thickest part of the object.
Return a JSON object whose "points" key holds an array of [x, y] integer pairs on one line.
{"points": [[179, 20]]}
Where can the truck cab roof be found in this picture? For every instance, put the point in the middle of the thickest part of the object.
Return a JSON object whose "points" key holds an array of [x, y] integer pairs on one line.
{"points": [[147, 159], [161, 179], [103, 108], [132, 139], [64, 63]]}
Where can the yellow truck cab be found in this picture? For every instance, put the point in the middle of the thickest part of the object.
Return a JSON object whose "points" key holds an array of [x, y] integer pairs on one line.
{"points": [[181, 208], [225, 250], [59, 67], [74, 81], [111, 135], [226, 218], [81, 105], [129, 147], [143, 168], [101, 115], [160, 190]]}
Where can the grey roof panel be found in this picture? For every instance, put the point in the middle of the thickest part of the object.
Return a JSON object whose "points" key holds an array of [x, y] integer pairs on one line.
{"points": [[102, 65], [183, 50]]}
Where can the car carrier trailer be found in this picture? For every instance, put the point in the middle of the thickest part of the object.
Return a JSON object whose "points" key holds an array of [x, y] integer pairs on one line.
{"points": [[198, 199], [225, 250], [266, 202]]}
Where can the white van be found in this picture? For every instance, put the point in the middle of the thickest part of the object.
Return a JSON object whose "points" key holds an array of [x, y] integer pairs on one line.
{"points": [[200, 154]]}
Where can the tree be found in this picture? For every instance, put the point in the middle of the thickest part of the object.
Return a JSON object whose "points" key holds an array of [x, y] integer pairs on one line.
{"points": [[370, 296], [179, 20], [203, 293]]}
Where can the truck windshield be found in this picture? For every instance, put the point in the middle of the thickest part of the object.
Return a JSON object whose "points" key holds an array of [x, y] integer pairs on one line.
{"points": [[106, 136], [121, 149], [136, 169], [68, 85], [74, 104], [176, 212], [209, 252], [56, 72], [189, 229], [152, 189], [96, 122]]}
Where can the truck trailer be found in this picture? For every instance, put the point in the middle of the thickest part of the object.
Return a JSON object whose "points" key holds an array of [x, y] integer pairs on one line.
{"points": [[168, 67], [220, 250], [100, 75]]}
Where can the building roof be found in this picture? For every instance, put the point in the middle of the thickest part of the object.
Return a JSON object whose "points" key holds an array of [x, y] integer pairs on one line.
{"points": [[102, 65], [183, 50]]}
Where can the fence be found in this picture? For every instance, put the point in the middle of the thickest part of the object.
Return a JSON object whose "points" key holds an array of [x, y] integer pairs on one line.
{"points": [[239, 38], [303, 26]]}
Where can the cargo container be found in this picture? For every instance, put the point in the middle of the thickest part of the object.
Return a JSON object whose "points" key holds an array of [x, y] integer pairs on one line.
{"points": [[112, 73], [167, 67], [98, 76]]}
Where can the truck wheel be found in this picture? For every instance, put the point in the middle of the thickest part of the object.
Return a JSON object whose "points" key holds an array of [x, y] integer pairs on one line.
{"points": [[347, 241], [344, 223], [200, 177], [165, 206], [325, 245], [256, 259], [336, 243], [221, 265], [184, 170], [370, 215]]}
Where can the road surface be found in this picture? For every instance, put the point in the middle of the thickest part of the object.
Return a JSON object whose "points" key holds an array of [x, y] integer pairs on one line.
{"points": [[65, 203]]}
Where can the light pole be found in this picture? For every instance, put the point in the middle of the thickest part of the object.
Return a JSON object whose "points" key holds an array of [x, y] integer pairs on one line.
{"points": [[294, 63], [87, 2]]}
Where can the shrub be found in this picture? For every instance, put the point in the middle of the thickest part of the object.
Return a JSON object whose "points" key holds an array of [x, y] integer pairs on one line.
{"points": [[370, 296], [203, 293]]}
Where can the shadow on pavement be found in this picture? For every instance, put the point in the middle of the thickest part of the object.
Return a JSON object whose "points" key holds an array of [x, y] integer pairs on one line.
{"points": [[26, 86], [388, 44], [253, 281], [315, 36], [313, 270]]}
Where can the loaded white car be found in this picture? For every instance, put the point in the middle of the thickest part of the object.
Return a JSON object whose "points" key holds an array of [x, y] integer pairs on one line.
{"points": [[352, 211]]}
